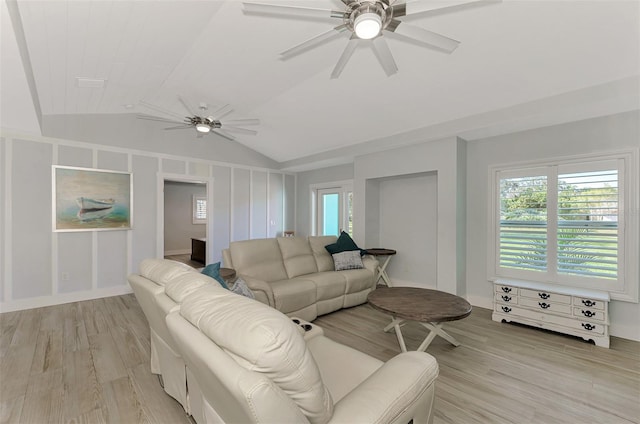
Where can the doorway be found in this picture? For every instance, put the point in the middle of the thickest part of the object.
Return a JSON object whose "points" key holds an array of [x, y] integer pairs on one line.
{"points": [[185, 219], [333, 209]]}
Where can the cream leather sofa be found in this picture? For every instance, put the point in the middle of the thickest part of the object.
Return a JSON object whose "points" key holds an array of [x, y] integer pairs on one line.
{"points": [[160, 288], [249, 363], [296, 275]]}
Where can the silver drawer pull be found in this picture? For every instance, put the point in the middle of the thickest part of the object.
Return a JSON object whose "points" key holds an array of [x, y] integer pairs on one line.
{"points": [[544, 295], [506, 298], [588, 326], [543, 305], [587, 302], [588, 313], [508, 290], [506, 309]]}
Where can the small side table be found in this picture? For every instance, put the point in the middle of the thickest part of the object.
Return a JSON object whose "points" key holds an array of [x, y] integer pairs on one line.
{"points": [[228, 274], [381, 271]]}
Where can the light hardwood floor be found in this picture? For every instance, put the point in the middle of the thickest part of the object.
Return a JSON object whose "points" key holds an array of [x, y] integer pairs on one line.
{"points": [[88, 362]]}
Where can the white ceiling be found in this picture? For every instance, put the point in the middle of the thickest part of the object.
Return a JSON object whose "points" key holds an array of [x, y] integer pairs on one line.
{"points": [[520, 64]]}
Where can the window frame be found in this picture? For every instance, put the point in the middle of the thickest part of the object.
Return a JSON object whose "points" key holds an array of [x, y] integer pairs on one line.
{"points": [[343, 188], [194, 209], [625, 288]]}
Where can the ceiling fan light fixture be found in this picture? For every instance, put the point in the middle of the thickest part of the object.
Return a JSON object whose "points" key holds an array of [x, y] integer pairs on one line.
{"points": [[367, 25], [203, 128]]}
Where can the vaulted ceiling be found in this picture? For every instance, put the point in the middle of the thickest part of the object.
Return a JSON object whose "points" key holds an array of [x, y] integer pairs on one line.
{"points": [[520, 64]]}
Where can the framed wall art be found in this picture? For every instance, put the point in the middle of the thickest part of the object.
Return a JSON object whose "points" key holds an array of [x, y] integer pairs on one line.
{"points": [[86, 199]]}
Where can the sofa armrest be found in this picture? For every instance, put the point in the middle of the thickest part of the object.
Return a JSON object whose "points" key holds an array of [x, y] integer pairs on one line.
{"points": [[370, 262], [399, 391], [226, 259], [261, 289]]}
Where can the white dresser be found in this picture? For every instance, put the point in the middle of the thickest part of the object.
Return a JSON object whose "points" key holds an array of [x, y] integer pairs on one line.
{"points": [[569, 310]]}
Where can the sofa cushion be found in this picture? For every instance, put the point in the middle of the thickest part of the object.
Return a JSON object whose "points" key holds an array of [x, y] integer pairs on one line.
{"points": [[293, 294], [349, 259], [263, 340], [329, 284], [240, 287], [183, 285], [297, 256], [343, 244], [213, 271], [162, 270], [357, 280], [320, 253], [258, 258]]}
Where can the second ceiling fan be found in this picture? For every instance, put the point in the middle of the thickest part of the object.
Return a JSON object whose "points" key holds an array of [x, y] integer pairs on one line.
{"points": [[368, 20], [203, 121]]}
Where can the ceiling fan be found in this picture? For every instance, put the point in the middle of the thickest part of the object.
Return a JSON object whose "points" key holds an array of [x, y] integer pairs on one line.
{"points": [[202, 121], [368, 20]]}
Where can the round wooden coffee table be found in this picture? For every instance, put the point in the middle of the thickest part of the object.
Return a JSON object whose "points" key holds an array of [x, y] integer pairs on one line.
{"points": [[430, 308]]}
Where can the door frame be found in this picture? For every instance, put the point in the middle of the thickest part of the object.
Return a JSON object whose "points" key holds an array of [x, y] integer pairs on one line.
{"points": [[342, 187], [162, 177]]}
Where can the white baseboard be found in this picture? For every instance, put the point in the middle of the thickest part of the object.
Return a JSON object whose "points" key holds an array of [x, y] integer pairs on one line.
{"points": [[177, 252], [480, 302], [59, 299], [628, 332]]}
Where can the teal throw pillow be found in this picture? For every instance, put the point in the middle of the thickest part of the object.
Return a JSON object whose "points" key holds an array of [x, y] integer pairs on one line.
{"points": [[343, 244], [213, 271]]}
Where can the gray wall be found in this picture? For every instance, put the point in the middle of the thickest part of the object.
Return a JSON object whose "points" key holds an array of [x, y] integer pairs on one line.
{"points": [[178, 216], [41, 267], [467, 167], [125, 130], [440, 160], [305, 180], [604, 134]]}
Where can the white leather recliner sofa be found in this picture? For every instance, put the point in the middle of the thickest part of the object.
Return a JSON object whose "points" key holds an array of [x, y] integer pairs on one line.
{"points": [[160, 288], [296, 275], [249, 363]]}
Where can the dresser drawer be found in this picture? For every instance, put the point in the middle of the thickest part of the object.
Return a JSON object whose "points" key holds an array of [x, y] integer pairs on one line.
{"points": [[500, 288], [587, 313], [551, 321], [546, 296], [504, 308], [506, 298], [589, 303], [546, 305]]}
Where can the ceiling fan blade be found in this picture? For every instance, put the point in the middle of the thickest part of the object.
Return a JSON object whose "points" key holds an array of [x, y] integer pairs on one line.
{"points": [[223, 133], [313, 42], [247, 121], [291, 10], [423, 36], [222, 111], [158, 118], [161, 110], [239, 130], [344, 58], [423, 6], [179, 127], [348, 2], [382, 52], [186, 106]]}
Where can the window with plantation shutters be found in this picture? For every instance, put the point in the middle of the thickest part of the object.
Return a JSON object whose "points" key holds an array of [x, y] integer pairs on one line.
{"points": [[565, 222], [523, 222], [199, 210], [588, 223]]}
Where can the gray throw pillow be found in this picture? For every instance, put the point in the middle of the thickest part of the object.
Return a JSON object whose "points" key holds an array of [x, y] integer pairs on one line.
{"points": [[240, 287], [350, 259]]}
